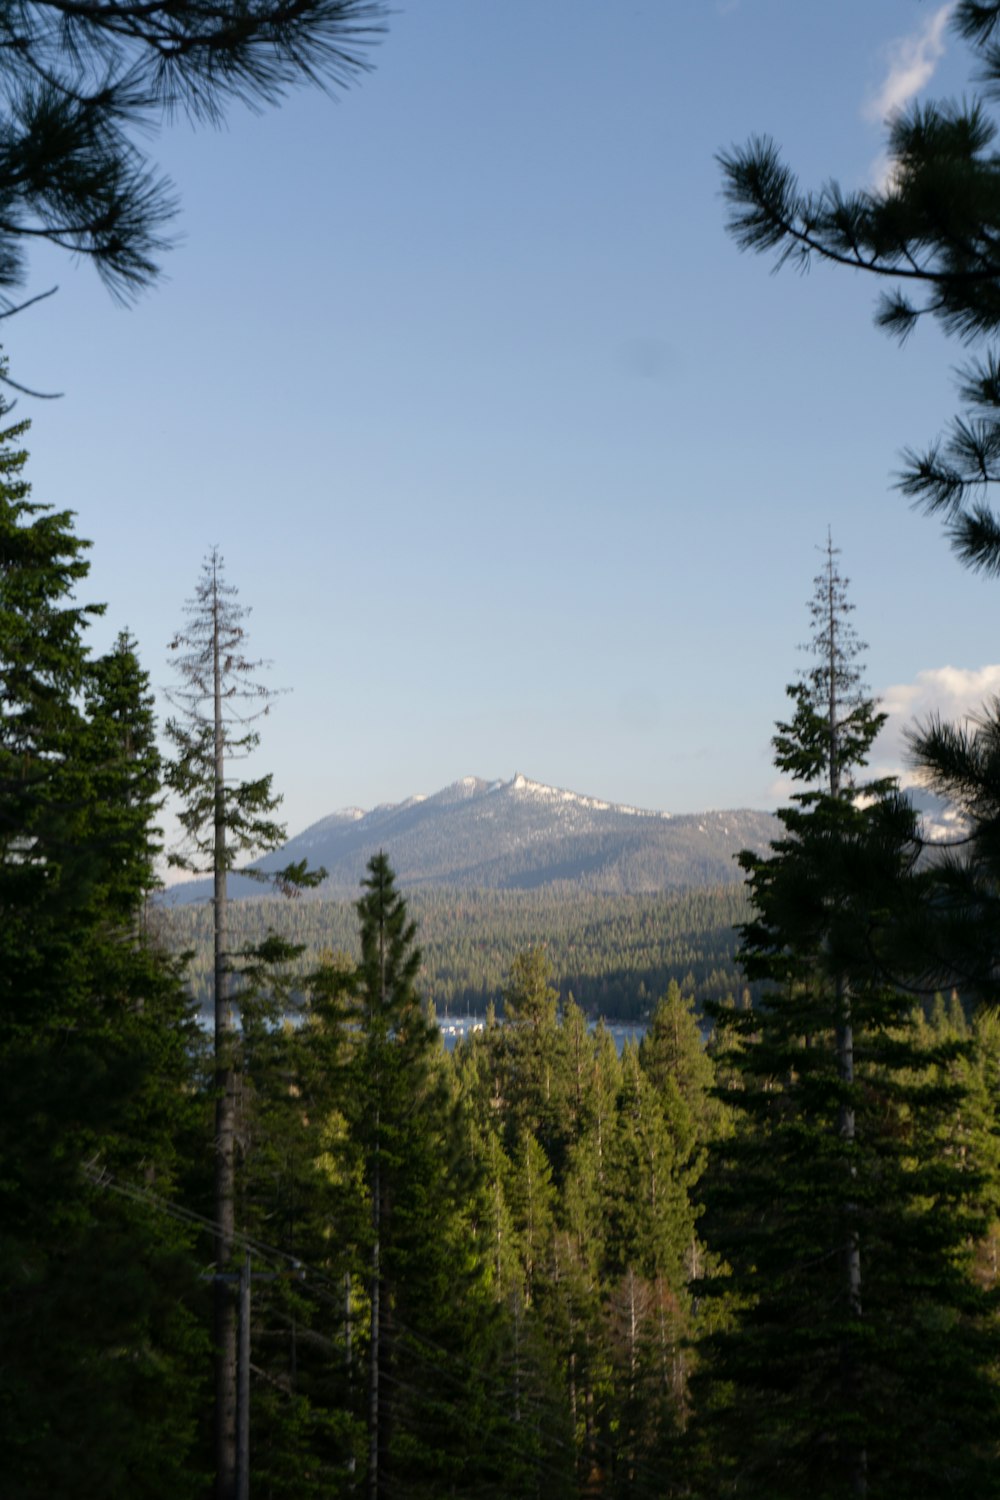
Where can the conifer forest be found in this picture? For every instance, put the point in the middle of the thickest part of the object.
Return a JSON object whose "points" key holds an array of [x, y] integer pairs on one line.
{"points": [[261, 1233]]}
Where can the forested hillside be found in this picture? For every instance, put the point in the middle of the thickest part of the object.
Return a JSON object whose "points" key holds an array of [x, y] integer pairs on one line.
{"points": [[615, 955]]}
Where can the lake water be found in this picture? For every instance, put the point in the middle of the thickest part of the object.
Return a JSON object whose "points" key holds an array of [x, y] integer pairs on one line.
{"points": [[454, 1028]]}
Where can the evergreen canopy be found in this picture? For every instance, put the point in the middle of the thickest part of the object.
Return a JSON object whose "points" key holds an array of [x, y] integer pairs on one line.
{"points": [[100, 1347]]}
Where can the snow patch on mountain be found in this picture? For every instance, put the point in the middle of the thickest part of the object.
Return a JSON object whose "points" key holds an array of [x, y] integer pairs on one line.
{"points": [[555, 794]]}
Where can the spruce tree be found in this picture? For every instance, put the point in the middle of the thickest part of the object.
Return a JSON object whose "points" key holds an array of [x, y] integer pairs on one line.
{"points": [[854, 1363]]}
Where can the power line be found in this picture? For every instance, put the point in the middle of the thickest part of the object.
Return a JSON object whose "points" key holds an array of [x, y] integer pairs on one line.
{"points": [[433, 1357]]}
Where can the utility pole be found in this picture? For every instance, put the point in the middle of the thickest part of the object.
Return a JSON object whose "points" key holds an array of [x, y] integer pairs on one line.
{"points": [[242, 1279]]}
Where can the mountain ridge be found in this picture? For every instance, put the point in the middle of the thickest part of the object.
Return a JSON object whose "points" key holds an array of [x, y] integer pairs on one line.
{"points": [[517, 834]]}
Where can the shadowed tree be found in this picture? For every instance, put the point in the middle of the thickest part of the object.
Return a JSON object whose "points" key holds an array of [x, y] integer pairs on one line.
{"points": [[856, 1362], [961, 763], [100, 1351]]}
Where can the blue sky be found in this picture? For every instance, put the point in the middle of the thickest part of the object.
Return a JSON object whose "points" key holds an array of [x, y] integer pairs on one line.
{"points": [[519, 463]]}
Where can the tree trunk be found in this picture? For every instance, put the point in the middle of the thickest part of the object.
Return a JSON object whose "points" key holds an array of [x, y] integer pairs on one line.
{"points": [[633, 1339], [857, 1460], [375, 1350], [225, 1124]]}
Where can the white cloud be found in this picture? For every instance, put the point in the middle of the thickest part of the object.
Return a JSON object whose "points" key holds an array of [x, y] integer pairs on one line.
{"points": [[881, 174], [954, 693], [912, 61]]}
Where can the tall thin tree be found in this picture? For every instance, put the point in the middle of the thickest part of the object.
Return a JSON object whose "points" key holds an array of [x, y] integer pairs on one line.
{"points": [[227, 823], [808, 1390], [834, 726]]}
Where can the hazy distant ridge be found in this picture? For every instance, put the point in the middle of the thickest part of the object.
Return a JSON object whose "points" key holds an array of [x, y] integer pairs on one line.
{"points": [[521, 835]]}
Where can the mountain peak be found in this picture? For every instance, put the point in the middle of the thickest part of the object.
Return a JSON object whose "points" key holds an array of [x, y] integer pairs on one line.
{"points": [[520, 835]]}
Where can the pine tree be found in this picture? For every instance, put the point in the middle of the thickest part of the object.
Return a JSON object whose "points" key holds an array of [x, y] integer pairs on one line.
{"points": [[227, 823], [931, 230], [961, 763], [82, 85], [854, 1363]]}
